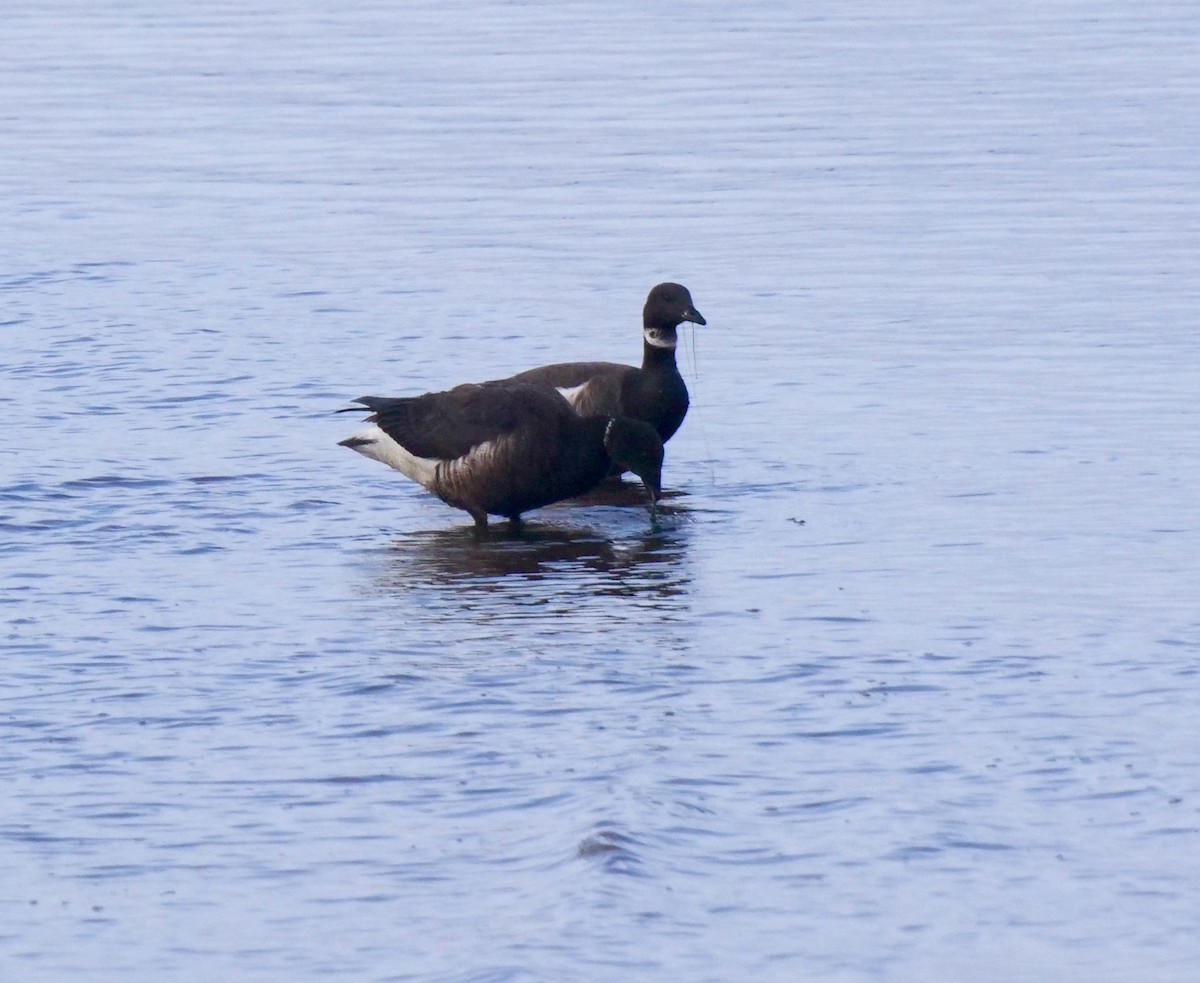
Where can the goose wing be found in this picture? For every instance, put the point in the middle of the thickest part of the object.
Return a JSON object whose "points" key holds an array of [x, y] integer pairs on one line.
{"points": [[449, 425], [592, 388]]}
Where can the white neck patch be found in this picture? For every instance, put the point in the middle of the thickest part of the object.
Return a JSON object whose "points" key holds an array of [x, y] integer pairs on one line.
{"points": [[658, 339]]}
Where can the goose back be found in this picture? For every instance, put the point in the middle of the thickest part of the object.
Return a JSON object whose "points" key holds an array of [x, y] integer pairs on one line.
{"points": [[655, 392], [498, 448]]}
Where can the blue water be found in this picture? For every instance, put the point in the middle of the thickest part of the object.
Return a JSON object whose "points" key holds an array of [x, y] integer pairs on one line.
{"points": [[902, 687]]}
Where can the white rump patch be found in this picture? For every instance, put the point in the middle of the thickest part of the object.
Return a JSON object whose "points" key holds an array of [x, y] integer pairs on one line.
{"points": [[380, 447]]}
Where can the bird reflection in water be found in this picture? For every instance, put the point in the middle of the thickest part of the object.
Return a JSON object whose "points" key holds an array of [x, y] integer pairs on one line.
{"points": [[618, 554]]}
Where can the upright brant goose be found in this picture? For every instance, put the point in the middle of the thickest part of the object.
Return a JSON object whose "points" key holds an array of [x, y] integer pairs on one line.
{"points": [[655, 393], [504, 447]]}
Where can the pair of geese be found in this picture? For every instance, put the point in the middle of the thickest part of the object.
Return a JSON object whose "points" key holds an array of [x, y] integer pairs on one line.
{"points": [[505, 447]]}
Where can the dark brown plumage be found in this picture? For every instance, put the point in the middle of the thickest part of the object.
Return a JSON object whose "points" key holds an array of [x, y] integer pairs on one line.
{"points": [[503, 448], [655, 393]]}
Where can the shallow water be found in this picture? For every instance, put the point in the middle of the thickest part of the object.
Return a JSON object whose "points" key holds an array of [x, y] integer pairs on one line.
{"points": [[901, 685]]}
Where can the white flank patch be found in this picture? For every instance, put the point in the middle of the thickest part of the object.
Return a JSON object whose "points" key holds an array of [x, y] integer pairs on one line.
{"points": [[575, 393], [652, 338], [386, 451]]}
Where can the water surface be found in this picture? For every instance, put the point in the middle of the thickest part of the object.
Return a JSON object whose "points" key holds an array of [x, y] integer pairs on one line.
{"points": [[902, 685]]}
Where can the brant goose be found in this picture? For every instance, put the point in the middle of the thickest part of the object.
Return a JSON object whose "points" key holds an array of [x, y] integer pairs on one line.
{"points": [[655, 393], [504, 447]]}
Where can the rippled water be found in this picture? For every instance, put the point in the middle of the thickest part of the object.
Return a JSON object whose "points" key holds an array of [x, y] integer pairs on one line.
{"points": [[901, 688]]}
